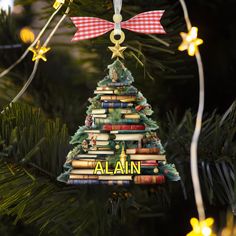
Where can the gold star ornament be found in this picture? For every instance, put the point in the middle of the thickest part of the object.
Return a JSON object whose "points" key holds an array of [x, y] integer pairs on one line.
{"points": [[39, 52], [201, 228], [117, 51], [190, 41]]}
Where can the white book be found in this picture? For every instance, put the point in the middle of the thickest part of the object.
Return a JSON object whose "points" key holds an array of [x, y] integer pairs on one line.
{"points": [[100, 116], [84, 172], [90, 159], [100, 152], [126, 111], [103, 92], [102, 143], [102, 137], [86, 155], [128, 137], [99, 111], [92, 131], [122, 110], [115, 177], [145, 157], [104, 88]]}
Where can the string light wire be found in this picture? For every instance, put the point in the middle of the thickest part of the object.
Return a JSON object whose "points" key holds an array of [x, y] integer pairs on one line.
{"points": [[198, 126], [30, 79], [32, 45]]}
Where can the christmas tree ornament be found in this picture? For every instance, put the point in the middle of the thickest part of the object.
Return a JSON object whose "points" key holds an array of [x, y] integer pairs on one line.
{"points": [[201, 228], [39, 52], [123, 144], [117, 147], [123, 156], [155, 170], [190, 41], [112, 117], [85, 145]]}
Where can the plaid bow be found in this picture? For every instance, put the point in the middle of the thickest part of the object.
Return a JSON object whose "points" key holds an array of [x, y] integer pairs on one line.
{"points": [[91, 27]]}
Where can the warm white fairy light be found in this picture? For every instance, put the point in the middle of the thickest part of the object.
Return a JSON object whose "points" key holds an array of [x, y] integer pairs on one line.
{"points": [[195, 138], [5, 5], [30, 79]]}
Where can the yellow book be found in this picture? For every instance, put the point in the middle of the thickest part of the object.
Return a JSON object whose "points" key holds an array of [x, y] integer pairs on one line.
{"points": [[132, 116], [117, 97], [74, 176], [145, 157]]}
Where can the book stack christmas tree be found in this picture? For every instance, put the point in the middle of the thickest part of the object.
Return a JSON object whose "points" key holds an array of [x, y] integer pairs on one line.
{"points": [[118, 143]]}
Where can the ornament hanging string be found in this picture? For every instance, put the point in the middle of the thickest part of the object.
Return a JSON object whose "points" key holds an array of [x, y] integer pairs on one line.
{"points": [[32, 45], [30, 79], [198, 126]]}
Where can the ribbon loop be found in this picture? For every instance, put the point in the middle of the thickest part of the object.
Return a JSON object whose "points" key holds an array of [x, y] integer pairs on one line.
{"points": [[117, 16]]}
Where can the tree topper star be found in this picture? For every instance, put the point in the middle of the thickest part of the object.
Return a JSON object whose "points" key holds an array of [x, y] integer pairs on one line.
{"points": [[117, 51], [190, 41], [201, 228], [38, 52]]}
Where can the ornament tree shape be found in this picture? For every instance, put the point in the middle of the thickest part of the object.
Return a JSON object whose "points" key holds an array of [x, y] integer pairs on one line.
{"points": [[118, 143]]}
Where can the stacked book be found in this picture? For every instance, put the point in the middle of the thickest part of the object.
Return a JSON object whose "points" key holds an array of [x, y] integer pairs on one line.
{"points": [[116, 132]]}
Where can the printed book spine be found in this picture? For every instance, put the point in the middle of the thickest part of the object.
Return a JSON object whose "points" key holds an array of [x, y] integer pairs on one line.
{"points": [[85, 177], [122, 121], [143, 151], [115, 182], [116, 104], [83, 164], [117, 84], [149, 179], [116, 97], [111, 127], [83, 181]]}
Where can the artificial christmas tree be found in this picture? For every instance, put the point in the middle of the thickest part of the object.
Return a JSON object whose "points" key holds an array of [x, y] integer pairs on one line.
{"points": [[118, 143]]}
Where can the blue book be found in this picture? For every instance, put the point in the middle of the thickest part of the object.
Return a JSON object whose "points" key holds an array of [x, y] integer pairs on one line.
{"points": [[115, 182], [118, 84], [116, 104], [99, 121], [83, 181]]}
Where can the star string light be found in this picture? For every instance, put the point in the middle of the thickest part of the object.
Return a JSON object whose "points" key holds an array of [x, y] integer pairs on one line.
{"points": [[190, 41], [201, 228], [39, 52]]}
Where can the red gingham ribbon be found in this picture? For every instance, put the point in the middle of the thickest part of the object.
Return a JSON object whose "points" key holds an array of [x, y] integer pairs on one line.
{"points": [[92, 27]]}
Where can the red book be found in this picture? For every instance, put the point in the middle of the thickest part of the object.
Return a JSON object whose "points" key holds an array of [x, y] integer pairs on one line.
{"points": [[149, 179], [111, 127], [149, 163], [143, 151]]}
